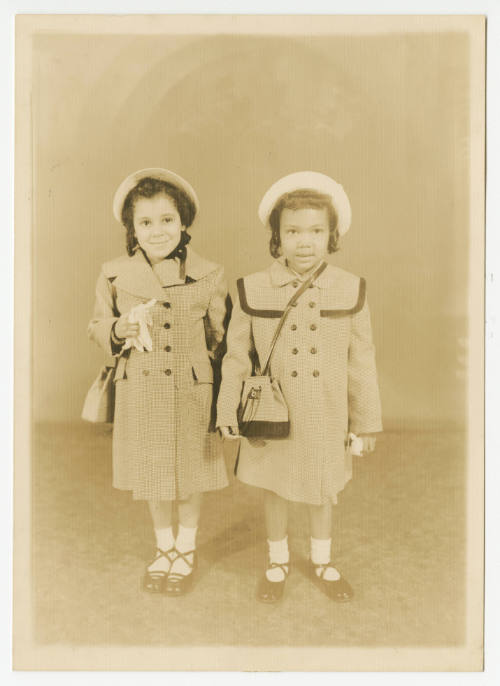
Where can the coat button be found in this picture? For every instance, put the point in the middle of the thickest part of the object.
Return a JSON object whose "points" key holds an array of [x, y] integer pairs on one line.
{"points": [[295, 284], [294, 373], [315, 372], [313, 351], [166, 306], [166, 325], [168, 372], [295, 351], [312, 304], [311, 285], [145, 372], [313, 327], [168, 348], [294, 327], [294, 304]]}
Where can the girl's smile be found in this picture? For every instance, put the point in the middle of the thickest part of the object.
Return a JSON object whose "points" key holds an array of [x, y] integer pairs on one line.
{"points": [[304, 236], [157, 226]]}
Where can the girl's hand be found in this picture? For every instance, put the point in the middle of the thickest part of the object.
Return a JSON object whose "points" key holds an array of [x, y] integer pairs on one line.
{"points": [[126, 329], [368, 443], [230, 433]]}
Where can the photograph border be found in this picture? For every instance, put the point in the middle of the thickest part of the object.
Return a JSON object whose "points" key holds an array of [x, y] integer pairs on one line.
{"points": [[28, 654]]}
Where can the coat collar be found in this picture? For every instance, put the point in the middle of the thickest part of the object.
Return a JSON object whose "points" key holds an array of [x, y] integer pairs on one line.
{"points": [[136, 276], [281, 275]]}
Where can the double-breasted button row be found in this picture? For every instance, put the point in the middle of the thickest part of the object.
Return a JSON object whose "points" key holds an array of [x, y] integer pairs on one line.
{"points": [[313, 351], [168, 372], [295, 373], [313, 327]]}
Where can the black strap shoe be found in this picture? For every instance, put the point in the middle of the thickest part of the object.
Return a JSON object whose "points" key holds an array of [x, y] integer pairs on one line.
{"points": [[179, 584], [154, 581], [272, 591], [339, 590]]}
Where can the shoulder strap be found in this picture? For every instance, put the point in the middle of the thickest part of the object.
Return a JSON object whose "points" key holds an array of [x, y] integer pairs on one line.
{"points": [[288, 307]]}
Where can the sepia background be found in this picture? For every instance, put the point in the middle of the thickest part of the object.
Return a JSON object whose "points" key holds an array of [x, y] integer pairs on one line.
{"points": [[388, 117]]}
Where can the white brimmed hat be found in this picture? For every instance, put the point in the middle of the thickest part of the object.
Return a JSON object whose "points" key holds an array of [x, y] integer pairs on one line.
{"points": [[308, 180], [153, 173]]}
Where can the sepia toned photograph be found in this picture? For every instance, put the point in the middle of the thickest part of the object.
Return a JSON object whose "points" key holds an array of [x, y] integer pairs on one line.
{"points": [[249, 284]]}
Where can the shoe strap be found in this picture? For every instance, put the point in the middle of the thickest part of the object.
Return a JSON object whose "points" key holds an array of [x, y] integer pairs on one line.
{"points": [[282, 566], [322, 569], [163, 553], [183, 556]]}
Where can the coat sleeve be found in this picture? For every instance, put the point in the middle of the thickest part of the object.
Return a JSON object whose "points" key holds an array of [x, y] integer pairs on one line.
{"points": [[217, 317], [363, 392], [104, 317], [236, 366]]}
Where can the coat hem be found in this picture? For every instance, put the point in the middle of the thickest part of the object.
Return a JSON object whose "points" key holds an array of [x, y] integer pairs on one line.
{"points": [[333, 498]]}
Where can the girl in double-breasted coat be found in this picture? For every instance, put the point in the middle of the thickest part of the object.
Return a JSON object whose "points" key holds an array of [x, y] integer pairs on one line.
{"points": [[163, 448], [324, 360]]}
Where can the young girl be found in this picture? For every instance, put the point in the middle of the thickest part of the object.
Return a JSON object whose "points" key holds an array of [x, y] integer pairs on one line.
{"points": [[324, 361], [163, 450]]}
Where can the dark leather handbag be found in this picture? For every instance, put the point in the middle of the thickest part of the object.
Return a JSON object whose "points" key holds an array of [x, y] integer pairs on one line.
{"points": [[263, 412]]}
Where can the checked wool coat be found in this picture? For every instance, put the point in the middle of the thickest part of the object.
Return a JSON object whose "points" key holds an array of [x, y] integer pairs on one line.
{"points": [[162, 446], [325, 362]]}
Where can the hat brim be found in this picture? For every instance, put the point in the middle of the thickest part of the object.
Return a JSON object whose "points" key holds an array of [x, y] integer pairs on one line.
{"points": [[154, 173], [308, 180]]}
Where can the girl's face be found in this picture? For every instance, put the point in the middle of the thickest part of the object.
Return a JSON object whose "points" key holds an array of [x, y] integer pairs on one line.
{"points": [[304, 236], [157, 225]]}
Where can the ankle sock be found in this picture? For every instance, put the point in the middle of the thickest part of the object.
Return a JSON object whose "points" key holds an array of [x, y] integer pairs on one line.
{"points": [[164, 541], [321, 555], [278, 552], [185, 542], [165, 538]]}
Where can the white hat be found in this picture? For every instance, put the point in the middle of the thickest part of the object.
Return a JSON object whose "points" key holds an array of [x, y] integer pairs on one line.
{"points": [[153, 173], [308, 180]]}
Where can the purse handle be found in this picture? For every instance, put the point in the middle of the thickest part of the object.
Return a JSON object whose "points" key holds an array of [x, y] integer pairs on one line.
{"points": [[288, 307]]}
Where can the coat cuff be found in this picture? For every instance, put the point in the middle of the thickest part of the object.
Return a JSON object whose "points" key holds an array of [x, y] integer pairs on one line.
{"points": [[115, 342]]}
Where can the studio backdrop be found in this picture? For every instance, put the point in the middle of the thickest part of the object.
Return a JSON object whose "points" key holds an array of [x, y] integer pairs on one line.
{"points": [[385, 115]]}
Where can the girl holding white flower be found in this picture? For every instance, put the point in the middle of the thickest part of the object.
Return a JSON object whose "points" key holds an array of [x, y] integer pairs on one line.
{"points": [[164, 449]]}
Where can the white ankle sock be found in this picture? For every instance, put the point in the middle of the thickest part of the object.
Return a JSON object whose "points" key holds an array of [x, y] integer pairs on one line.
{"points": [[164, 541], [165, 538], [185, 542], [278, 552], [320, 555]]}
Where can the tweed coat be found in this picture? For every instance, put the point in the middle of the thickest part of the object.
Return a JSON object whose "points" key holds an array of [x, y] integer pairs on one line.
{"points": [[325, 362], [162, 446]]}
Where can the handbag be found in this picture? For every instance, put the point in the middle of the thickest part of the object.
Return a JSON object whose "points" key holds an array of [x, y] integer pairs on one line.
{"points": [[263, 412], [99, 404]]}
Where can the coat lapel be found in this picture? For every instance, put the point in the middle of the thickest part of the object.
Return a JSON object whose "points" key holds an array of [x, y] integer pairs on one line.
{"points": [[135, 276]]}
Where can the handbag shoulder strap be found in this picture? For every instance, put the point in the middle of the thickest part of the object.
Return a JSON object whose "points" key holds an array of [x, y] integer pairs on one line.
{"points": [[288, 307]]}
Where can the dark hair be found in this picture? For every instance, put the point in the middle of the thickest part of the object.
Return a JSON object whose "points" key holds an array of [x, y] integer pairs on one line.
{"points": [[148, 188], [298, 200]]}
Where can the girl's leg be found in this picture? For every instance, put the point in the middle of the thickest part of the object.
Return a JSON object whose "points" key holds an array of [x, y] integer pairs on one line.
{"points": [[321, 525], [276, 516], [161, 514], [189, 515]]}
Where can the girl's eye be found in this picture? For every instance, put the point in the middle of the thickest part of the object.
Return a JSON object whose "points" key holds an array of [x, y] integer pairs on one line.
{"points": [[145, 222], [166, 220], [318, 231]]}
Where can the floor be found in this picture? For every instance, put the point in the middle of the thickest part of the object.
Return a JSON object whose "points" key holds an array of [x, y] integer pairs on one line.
{"points": [[398, 537]]}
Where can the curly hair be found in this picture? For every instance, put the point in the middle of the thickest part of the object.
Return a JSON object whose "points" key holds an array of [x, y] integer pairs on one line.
{"points": [[148, 188], [298, 200]]}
